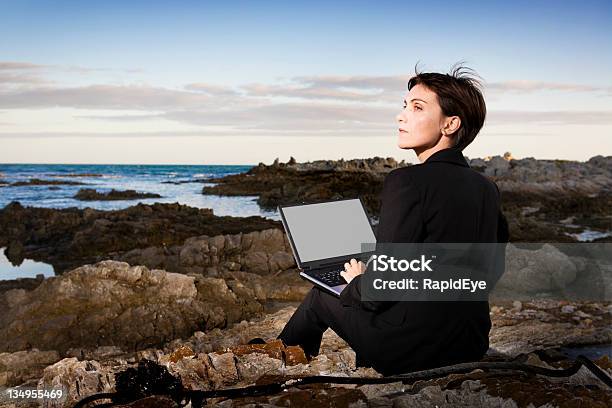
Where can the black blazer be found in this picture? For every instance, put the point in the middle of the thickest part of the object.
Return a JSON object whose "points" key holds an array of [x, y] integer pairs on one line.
{"points": [[440, 200]]}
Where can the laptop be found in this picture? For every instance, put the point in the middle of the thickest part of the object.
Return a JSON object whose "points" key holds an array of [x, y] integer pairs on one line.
{"points": [[326, 234]]}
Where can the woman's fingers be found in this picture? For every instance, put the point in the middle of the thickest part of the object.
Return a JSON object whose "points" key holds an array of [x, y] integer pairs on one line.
{"points": [[346, 276]]}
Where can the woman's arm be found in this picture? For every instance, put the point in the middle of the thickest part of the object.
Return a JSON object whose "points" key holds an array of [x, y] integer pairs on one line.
{"points": [[400, 221]]}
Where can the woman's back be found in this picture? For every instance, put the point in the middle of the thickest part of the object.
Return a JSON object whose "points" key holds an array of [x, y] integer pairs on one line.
{"points": [[440, 200]]}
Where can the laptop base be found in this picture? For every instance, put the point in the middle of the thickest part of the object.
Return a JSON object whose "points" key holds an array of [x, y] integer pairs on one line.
{"points": [[334, 290]]}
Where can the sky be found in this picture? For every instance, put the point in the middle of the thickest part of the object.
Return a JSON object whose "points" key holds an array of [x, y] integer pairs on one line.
{"points": [[196, 82]]}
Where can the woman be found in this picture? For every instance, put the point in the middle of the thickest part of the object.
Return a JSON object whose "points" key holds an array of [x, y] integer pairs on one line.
{"points": [[439, 200]]}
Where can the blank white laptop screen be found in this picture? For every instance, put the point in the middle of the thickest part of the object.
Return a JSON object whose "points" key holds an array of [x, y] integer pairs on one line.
{"points": [[328, 230]]}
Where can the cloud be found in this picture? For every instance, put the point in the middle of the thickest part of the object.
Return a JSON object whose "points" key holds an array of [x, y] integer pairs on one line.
{"points": [[351, 88], [15, 66], [320, 105], [211, 89], [136, 97], [8, 78], [121, 118], [19, 75], [525, 86], [550, 117]]}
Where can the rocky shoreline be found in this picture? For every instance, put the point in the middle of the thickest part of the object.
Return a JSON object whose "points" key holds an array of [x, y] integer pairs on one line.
{"points": [[545, 200], [187, 290], [99, 320], [71, 237]]}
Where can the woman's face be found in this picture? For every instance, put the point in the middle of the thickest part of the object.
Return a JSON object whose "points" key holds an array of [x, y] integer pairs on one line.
{"points": [[421, 121]]}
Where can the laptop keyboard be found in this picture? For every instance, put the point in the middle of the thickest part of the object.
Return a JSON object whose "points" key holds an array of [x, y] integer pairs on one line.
{"points": [[331, 278]]}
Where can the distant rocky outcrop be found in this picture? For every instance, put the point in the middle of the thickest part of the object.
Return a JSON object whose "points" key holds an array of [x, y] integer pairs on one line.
{"points": [[90, 194], [291, 181], [593, 176], [39, 182], [294, 182], [538, 196]]}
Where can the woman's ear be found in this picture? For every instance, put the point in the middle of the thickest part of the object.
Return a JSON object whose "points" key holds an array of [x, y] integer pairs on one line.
{"points": [[451, 125]]}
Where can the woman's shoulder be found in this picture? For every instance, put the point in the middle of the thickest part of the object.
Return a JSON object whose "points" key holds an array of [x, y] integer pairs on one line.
{"points": [[424, 176]]}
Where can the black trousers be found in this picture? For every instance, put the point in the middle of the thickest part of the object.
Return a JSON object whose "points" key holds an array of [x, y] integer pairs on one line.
{"points": [[415, 336], [318, 312]]}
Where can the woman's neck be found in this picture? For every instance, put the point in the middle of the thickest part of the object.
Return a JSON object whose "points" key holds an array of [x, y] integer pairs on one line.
{"points": [[423, 154]]}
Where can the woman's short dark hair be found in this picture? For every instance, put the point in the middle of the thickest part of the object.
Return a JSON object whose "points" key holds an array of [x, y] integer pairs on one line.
{"points": [[458, 94]]}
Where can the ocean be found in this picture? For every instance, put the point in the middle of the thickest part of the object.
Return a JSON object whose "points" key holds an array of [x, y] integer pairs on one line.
{"points": [[143, 178]]}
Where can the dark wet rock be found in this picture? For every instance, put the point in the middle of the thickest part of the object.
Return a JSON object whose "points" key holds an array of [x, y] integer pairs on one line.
{"points": [[71, 237], [14, 253], [25, 284], [90, 194], [293, 182], [146, 379], [39, 182], [543, 217]]}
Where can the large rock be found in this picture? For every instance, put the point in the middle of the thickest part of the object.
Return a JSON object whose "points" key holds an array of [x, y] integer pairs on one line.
{"points": [[77, 379], [537, 270], [21, 366], [114, 304], [261, 252]]}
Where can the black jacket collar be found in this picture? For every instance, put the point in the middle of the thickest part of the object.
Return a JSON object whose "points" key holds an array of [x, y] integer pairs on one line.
{"points": [[449, 155]]}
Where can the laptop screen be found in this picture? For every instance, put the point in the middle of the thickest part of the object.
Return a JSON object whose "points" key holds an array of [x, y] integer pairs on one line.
{"points": [[327, 230]]}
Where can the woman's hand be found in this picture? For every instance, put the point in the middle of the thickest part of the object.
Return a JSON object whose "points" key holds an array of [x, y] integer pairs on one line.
{"points": [[352, 269]]}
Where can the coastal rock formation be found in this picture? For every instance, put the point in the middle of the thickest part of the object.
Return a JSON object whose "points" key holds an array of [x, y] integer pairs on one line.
{"points": [[113, 304], [261, 252], [532, 271], [90, 194], [39, 182], [220, 359], [544, 200], [292, 182], [67, 238], [22, 366]]}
